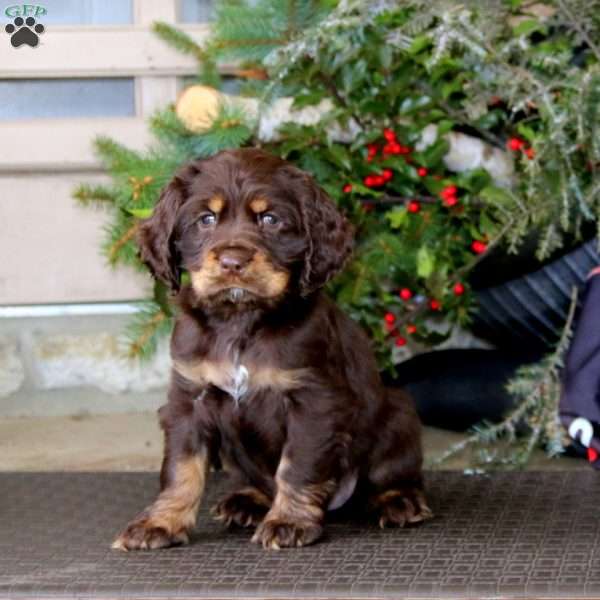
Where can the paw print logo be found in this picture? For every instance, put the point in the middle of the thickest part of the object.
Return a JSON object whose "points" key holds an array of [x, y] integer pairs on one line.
{"points": [[24, 32]]}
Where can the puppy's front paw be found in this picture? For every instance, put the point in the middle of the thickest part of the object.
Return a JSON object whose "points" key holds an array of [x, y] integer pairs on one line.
{"points": [[276, 533], [145, 534], [245, 508]]}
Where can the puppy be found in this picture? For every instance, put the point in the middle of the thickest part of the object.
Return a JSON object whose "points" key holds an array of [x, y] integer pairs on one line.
{"points": [[270, 379]]}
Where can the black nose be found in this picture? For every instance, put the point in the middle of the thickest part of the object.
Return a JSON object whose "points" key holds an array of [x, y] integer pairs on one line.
{"points": [[234, 260]]}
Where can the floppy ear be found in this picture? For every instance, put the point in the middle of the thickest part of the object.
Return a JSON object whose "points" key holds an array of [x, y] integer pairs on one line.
{"points": [[155, 234], [329, 234]]}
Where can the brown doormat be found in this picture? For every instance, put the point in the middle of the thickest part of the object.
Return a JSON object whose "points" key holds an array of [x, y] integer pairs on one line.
{"points": [[514, 535]]}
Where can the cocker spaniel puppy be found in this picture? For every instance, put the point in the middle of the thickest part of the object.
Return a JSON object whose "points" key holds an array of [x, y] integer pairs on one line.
{"points": [[270, 379]]}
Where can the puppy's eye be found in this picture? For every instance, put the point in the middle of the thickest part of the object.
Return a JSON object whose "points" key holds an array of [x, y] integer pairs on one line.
{"points": [[207, 219], [268, 219]]}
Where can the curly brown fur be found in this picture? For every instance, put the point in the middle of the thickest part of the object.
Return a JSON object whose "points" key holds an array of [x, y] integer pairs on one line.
{"points": [[270, 378]]}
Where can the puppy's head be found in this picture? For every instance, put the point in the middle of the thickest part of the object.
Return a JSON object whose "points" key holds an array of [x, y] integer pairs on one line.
{"points": [[248, 227]]}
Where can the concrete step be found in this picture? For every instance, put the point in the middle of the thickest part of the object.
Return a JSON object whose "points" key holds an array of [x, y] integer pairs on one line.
{"points": [[73, 365]]}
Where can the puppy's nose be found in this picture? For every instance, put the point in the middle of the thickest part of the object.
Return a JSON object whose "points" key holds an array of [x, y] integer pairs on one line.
{"points": [[233, 261]]}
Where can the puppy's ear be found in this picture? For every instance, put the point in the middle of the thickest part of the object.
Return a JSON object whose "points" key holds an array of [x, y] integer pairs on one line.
{"points": [[155, 235], [329, 235]]}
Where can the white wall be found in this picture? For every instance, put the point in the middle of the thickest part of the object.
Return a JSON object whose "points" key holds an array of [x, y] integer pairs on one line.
{"points": [[50, 246]]}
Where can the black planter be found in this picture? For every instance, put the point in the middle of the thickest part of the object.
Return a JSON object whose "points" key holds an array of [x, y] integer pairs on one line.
{"points": [[529, 312]]}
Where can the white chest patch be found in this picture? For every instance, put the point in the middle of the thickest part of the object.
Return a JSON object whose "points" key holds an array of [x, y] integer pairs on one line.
{"points": [[236, 382]]}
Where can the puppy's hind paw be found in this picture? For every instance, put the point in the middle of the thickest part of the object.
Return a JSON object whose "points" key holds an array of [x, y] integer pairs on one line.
{"points": [[246, 508], [402, 508]]}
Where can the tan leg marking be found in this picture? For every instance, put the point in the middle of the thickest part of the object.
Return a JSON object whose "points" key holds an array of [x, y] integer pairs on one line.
{"points": [[173, 515]]}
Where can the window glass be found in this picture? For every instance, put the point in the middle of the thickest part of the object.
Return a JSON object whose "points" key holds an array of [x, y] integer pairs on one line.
{"points": [[86, 12], [196, 11], [46, 98]]}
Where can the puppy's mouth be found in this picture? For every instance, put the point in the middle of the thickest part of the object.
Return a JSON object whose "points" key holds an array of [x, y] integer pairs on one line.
{"points": [[261, 282], [235, 295]]}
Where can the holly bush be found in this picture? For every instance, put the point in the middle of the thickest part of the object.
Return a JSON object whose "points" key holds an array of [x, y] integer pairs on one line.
{"points": [[393, 81]]}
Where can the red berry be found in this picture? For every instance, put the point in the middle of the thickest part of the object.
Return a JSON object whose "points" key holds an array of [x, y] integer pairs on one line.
{"points": [[413, 206], [391, 328], [378, 180], [405, 294], [368, 181], [400, 341], [404, 150], [515, 143], [392, 148], [390, 318], [347, 188], [422, 171], [411, 329], [387, 174], [389, 135], [449, 190], [458, 289], [529, 153], [435, 305], [450, 201], [592, 454], [372, 149], [478, 247]]}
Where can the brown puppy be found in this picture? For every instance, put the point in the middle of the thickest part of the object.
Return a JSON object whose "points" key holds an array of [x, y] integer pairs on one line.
{"points": [[269, 377]]}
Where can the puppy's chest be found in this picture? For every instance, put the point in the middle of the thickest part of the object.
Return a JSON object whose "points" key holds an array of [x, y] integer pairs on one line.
{"points": [[240, 374]]}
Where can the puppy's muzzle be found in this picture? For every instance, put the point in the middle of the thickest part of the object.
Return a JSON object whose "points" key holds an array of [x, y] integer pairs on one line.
{"points": [[233, 261]]}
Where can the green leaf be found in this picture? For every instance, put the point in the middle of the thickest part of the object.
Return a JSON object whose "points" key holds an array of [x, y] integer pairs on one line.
{"points": [[140, 213], [307, 99], [418, 44], [497, 195], [528, 26], [397, 217], [425, 262], [527, 132], [339, 156]]}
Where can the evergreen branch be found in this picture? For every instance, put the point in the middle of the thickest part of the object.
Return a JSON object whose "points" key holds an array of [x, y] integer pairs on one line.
{"points": [[88, 194], [534, 399], [115, 248], [180, 40], [230, 44], [580, 29], [117, 157], [148, 330], [255, 73]]}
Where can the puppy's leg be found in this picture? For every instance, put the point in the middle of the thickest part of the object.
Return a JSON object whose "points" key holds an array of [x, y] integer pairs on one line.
{"points": [[245, 507], [169, 520], [395, 477], [308, 473], [298, 511]]}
